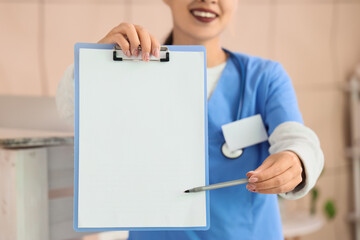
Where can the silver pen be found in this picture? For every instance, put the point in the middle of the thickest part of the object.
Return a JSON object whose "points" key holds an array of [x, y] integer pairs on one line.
{"points": [[218, 185]]}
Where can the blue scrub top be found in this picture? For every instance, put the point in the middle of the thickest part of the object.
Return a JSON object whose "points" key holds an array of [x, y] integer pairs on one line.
{"points": [[235, 212]]}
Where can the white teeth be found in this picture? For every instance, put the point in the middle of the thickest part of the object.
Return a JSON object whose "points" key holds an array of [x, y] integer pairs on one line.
{"points": [[204, 14]]}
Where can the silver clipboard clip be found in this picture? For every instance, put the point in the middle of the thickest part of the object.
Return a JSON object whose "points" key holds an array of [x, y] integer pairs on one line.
{"points": [[118, 55]]}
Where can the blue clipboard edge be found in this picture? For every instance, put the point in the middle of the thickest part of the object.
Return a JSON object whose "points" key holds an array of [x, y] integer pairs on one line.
{"points": [[77, 46]]}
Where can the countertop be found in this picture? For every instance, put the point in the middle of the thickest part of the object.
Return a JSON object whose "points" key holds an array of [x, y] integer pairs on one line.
{"points": [[24, 138]]}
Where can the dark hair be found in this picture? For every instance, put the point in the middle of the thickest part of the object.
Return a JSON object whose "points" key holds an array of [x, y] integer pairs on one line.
{"points": [[169, 39]]}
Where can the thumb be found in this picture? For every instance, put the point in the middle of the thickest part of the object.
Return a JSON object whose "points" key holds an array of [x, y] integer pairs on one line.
{"points": [[266, 164]]}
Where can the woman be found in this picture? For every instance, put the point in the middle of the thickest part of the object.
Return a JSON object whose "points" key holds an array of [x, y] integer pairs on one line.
{"points": [[295, 159]]}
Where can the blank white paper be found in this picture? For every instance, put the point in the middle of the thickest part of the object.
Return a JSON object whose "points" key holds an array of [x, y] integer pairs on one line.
{"points": [[141, 141]]}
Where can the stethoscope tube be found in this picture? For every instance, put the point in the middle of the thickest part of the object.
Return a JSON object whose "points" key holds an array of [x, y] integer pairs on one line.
{"points": [[224, 148]]}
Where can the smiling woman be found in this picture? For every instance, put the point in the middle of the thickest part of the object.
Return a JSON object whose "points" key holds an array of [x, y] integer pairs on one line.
{"points": [[239, 86]]}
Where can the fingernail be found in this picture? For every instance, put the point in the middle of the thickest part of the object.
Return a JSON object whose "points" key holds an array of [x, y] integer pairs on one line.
{"points": [[135, 52], [253, 179], [127, 53], [250, 173], [146, 57], [157, 52], [251, 187]]}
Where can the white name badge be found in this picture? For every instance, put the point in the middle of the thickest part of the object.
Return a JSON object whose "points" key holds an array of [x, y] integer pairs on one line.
{"points": [[244, 133]]}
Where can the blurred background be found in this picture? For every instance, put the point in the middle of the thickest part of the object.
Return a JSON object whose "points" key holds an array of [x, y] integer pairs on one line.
{"points": [[317, 41]]}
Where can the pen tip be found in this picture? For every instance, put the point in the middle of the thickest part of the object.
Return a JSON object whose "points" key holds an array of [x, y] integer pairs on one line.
{"points": [[186, 191]]}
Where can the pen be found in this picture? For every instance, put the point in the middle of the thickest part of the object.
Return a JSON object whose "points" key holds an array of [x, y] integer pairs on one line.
{"points": [[218, 185]]}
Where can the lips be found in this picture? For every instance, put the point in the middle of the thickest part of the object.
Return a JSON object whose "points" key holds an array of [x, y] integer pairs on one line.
{"points": [[204, 15]]}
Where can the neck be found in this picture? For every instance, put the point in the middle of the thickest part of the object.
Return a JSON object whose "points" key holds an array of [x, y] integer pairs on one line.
{"points": [[214, 53]]}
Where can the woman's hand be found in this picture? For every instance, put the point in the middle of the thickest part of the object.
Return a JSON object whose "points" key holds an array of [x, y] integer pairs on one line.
{"points": [[129, 36], [279, 173]]}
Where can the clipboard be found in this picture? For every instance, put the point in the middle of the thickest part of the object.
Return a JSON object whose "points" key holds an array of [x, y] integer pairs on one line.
{"points": [[140, 140]]}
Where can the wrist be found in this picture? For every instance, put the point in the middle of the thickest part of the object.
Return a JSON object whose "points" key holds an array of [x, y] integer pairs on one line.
{"points": [[294, 157], [297, 159]]}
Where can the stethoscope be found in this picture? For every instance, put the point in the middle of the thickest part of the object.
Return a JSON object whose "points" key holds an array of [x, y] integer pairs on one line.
{"points": [[224, 148]]}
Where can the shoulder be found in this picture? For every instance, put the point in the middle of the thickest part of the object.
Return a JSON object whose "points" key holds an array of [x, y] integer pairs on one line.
{"points": [[259, 73], [257, 65]]}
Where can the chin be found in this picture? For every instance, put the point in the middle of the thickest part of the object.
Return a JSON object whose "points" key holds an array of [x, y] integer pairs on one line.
{"points": [[201, 33], [205, 36]]}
